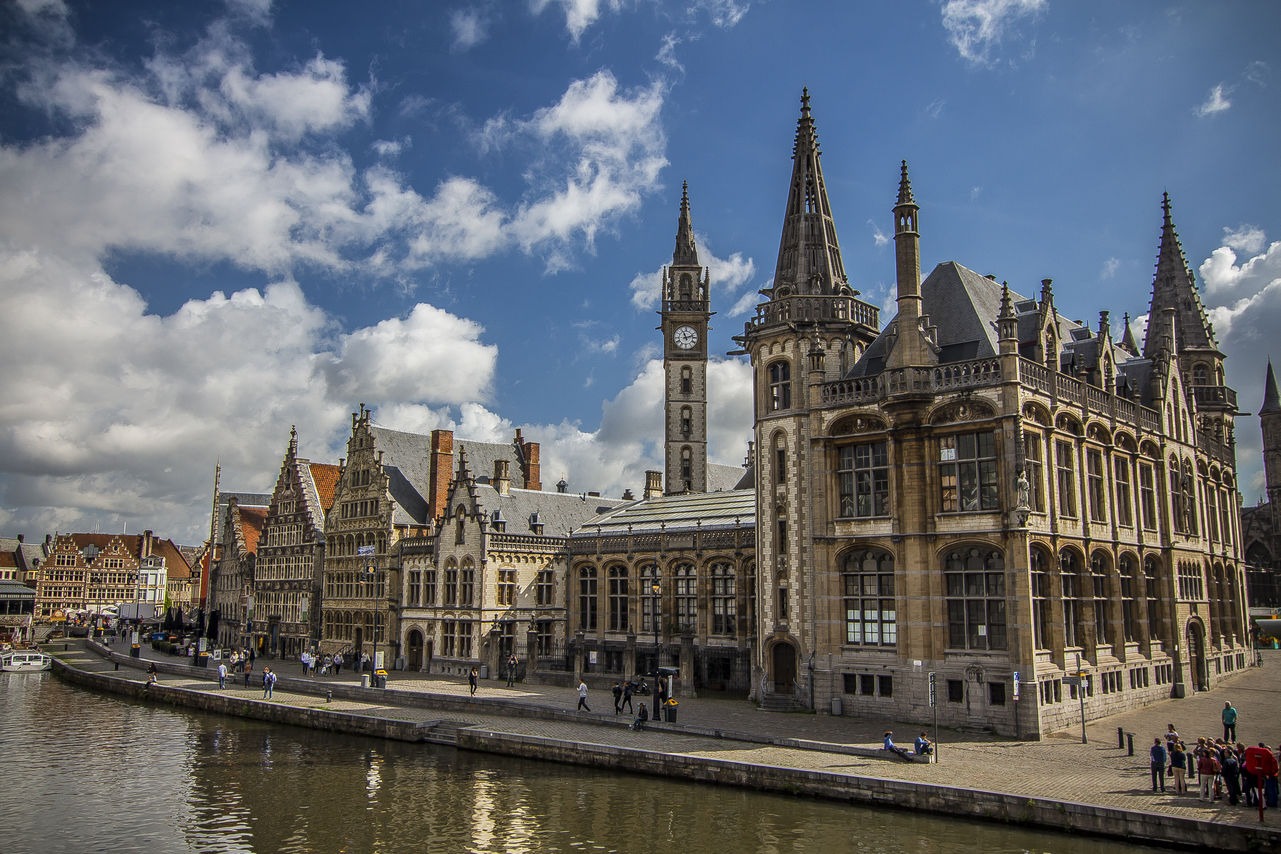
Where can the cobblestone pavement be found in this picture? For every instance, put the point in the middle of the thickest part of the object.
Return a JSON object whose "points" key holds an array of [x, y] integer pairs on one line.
{"points": [[1059, 767]]}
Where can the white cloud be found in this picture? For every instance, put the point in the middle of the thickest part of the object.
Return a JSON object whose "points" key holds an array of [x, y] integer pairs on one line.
{"points": [[726, 275], [879, 238], [1110, 266], [723, 13], [745, 304], [1217, 102], [934, 108], [667, 52], [976, 27], [469, 27], [579, 14], [1243, 301], [1244, 238], [255, 11]]}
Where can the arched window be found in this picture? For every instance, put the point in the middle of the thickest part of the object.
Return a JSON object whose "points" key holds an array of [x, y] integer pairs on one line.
{"points": [[687, 421], [780, 458], [870, 610], [451, 583], [685, 589], [724, 599], [460, 533], [1129, 593], [780, 386], [686, 288], [687, 380], [975, 581], [1200, 374], [618, 598], [1070, 582], [587, 602], [1100, 566], [651, 598], [467, 583], [687, 468], [863, 480], [1152, 590]]}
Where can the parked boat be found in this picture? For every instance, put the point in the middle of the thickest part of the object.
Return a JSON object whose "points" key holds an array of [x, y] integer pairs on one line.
{"points": [[25, 659]]}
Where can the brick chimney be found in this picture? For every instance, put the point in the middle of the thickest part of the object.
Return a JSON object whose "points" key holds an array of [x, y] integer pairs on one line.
{"points": [[530, 468], [441, 469], [145, 546], [502, 477], [653, 484]]}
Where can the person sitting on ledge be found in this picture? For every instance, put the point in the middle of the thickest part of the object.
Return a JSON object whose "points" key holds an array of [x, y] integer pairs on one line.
{"points": [[889, 745], [924, 747]]}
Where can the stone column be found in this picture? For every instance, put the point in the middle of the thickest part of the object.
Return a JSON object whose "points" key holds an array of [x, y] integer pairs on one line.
{"points": [[629, 656], [580, 654], [531, 652], [687, 665], [492, 658]]}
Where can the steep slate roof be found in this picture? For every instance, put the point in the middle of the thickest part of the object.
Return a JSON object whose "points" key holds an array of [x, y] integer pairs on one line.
{"points": [[1174, 287], [705, 510], [720, 478], [407, 462], [1271, 402]]}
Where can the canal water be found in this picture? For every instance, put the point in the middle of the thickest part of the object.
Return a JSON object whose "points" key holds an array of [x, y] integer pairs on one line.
{"points": [[88, 772]]}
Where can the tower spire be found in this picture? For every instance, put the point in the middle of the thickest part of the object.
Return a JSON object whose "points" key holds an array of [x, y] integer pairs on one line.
{"points": [[809, 255], [686, 254], [1174, 287], [1271, 401]]}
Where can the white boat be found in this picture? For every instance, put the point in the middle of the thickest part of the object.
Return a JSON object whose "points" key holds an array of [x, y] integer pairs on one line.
{"points": [[23, 659]]}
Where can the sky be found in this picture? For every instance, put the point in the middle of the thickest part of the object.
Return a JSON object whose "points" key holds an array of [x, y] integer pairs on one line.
{"points": [[218, 220]]}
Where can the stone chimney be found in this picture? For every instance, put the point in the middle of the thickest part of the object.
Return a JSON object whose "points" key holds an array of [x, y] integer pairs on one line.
{"points": [[146, 545], [653, 484], [502, 477], [532, 471]]}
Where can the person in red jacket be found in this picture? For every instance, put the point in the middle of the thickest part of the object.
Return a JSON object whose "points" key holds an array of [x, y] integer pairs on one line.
{"points": [[1262, 764]]}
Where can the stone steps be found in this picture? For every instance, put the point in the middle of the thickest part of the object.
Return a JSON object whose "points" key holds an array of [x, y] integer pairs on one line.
{"points": [[779, 703]]}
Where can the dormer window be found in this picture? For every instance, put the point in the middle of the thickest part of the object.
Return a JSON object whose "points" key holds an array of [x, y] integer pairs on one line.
{"points": [[535, 524], [498, 522]]}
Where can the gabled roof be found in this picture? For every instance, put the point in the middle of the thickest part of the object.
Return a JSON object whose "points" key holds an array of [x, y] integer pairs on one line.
{"points": [[324, 479], [720, 478], [406, 461], [250, 521]]}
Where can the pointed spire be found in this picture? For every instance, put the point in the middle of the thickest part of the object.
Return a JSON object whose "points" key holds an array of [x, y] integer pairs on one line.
{"points": [[293, 439], [1174, 287], [1271, 401], [1007, 324], [1127, 337], [686, 254], [809, 256], [905, 187]]}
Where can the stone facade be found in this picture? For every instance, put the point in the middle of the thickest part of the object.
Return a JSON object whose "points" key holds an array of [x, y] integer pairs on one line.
{"points": [[988, 493], [1261, 525]]}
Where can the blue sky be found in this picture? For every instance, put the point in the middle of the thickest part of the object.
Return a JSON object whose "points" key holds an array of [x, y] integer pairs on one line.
{"points": [[219, 220]]}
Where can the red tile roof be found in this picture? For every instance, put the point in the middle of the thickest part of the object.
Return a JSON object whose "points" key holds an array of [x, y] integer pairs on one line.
{"points": [[251, 520], [325, 476]]}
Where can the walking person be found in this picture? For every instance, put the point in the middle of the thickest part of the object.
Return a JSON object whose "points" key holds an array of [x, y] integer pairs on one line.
{"points": [[268, 683], [1229, 723], [511, 670], [1158, 758], [222, 675], [627, 698], [337, 663], [582, 696], [249, 669], [618, 698], [472, 677]]}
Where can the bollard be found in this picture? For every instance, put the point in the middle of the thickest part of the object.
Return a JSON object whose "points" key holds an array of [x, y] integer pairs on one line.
{"points": [[329, 696], [117, 665], [1120, 737], [1129, 741]]}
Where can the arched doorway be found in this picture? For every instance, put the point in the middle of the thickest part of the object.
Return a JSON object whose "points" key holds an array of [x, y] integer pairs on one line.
{"points": [[783, 659], [414, 644], [1196, 656]]}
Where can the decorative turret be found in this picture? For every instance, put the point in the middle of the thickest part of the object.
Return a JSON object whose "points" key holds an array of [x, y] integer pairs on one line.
{"points": [[1270, 421], [1007, 324], [809, 256], [912, 341], [1127, 338]]}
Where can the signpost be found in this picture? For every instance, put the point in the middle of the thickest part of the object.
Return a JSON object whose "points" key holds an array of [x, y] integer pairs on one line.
{"points": [[1082, 679]]}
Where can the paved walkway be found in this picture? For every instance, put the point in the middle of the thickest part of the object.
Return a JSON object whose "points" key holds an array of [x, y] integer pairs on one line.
{"points": [[1060, 767]]}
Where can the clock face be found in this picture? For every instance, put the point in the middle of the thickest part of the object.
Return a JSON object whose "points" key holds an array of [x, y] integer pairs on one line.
{"points": [[685, 337]]}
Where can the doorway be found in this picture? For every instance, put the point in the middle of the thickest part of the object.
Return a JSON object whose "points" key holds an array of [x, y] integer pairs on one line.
{"points": [[783, 658], [1196, 657], [415, 651]]}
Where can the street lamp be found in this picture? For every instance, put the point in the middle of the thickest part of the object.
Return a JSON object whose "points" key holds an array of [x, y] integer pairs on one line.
{"points": [[657, 590], [370, 576]]}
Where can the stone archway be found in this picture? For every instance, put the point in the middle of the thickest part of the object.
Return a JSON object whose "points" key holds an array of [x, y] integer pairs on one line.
{"points": [[414, 649], [783, 667]]}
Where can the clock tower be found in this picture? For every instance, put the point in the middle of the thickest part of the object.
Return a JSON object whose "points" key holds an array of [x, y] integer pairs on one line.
{"points": [[685, 316]]}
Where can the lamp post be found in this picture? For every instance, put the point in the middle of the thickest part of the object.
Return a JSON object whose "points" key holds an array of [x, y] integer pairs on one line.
{"points": [[370, 576], [656, 589]]}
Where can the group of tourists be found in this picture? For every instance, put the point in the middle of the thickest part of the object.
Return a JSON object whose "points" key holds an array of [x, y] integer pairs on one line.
{"points": [[315, 664], [1218, 767]]}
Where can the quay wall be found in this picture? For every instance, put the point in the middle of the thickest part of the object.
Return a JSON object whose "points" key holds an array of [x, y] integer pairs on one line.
{"points": [[1046, 813]]}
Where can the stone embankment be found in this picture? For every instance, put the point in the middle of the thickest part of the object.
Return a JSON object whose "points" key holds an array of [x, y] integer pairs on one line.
{"points": [[758, 760]]}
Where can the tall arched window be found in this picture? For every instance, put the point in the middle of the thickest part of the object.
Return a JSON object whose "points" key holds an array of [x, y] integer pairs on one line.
{"points": [[587, 601], [651, 602], [1129, 593], [687, 421], [724, 599], [687, 380], [451, 583], [871, 618], [780, 386], [1070, 580], [618, 598], [460, 533], [467, 583], [974, 577], [687, 467], [685, 588], [1152, 590], [1100, 566]]}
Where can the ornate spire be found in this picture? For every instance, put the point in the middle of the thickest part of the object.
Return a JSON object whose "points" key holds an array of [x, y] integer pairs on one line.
{"points": [[1007, 324], [1174, 287], [686, 254], [905, 187], [1127, 337], [1271, 401], [809, 256]]}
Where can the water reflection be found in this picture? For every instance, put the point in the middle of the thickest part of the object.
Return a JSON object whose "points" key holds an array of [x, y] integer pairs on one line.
{"points": [[84, 769]]}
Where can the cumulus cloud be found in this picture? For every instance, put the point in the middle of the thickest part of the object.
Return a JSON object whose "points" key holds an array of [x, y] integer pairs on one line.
{"points": [[726, 275], [579, 14], [1244, 238], [879, 237], [1217, 102], [1243, 301], [977, 27]]}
